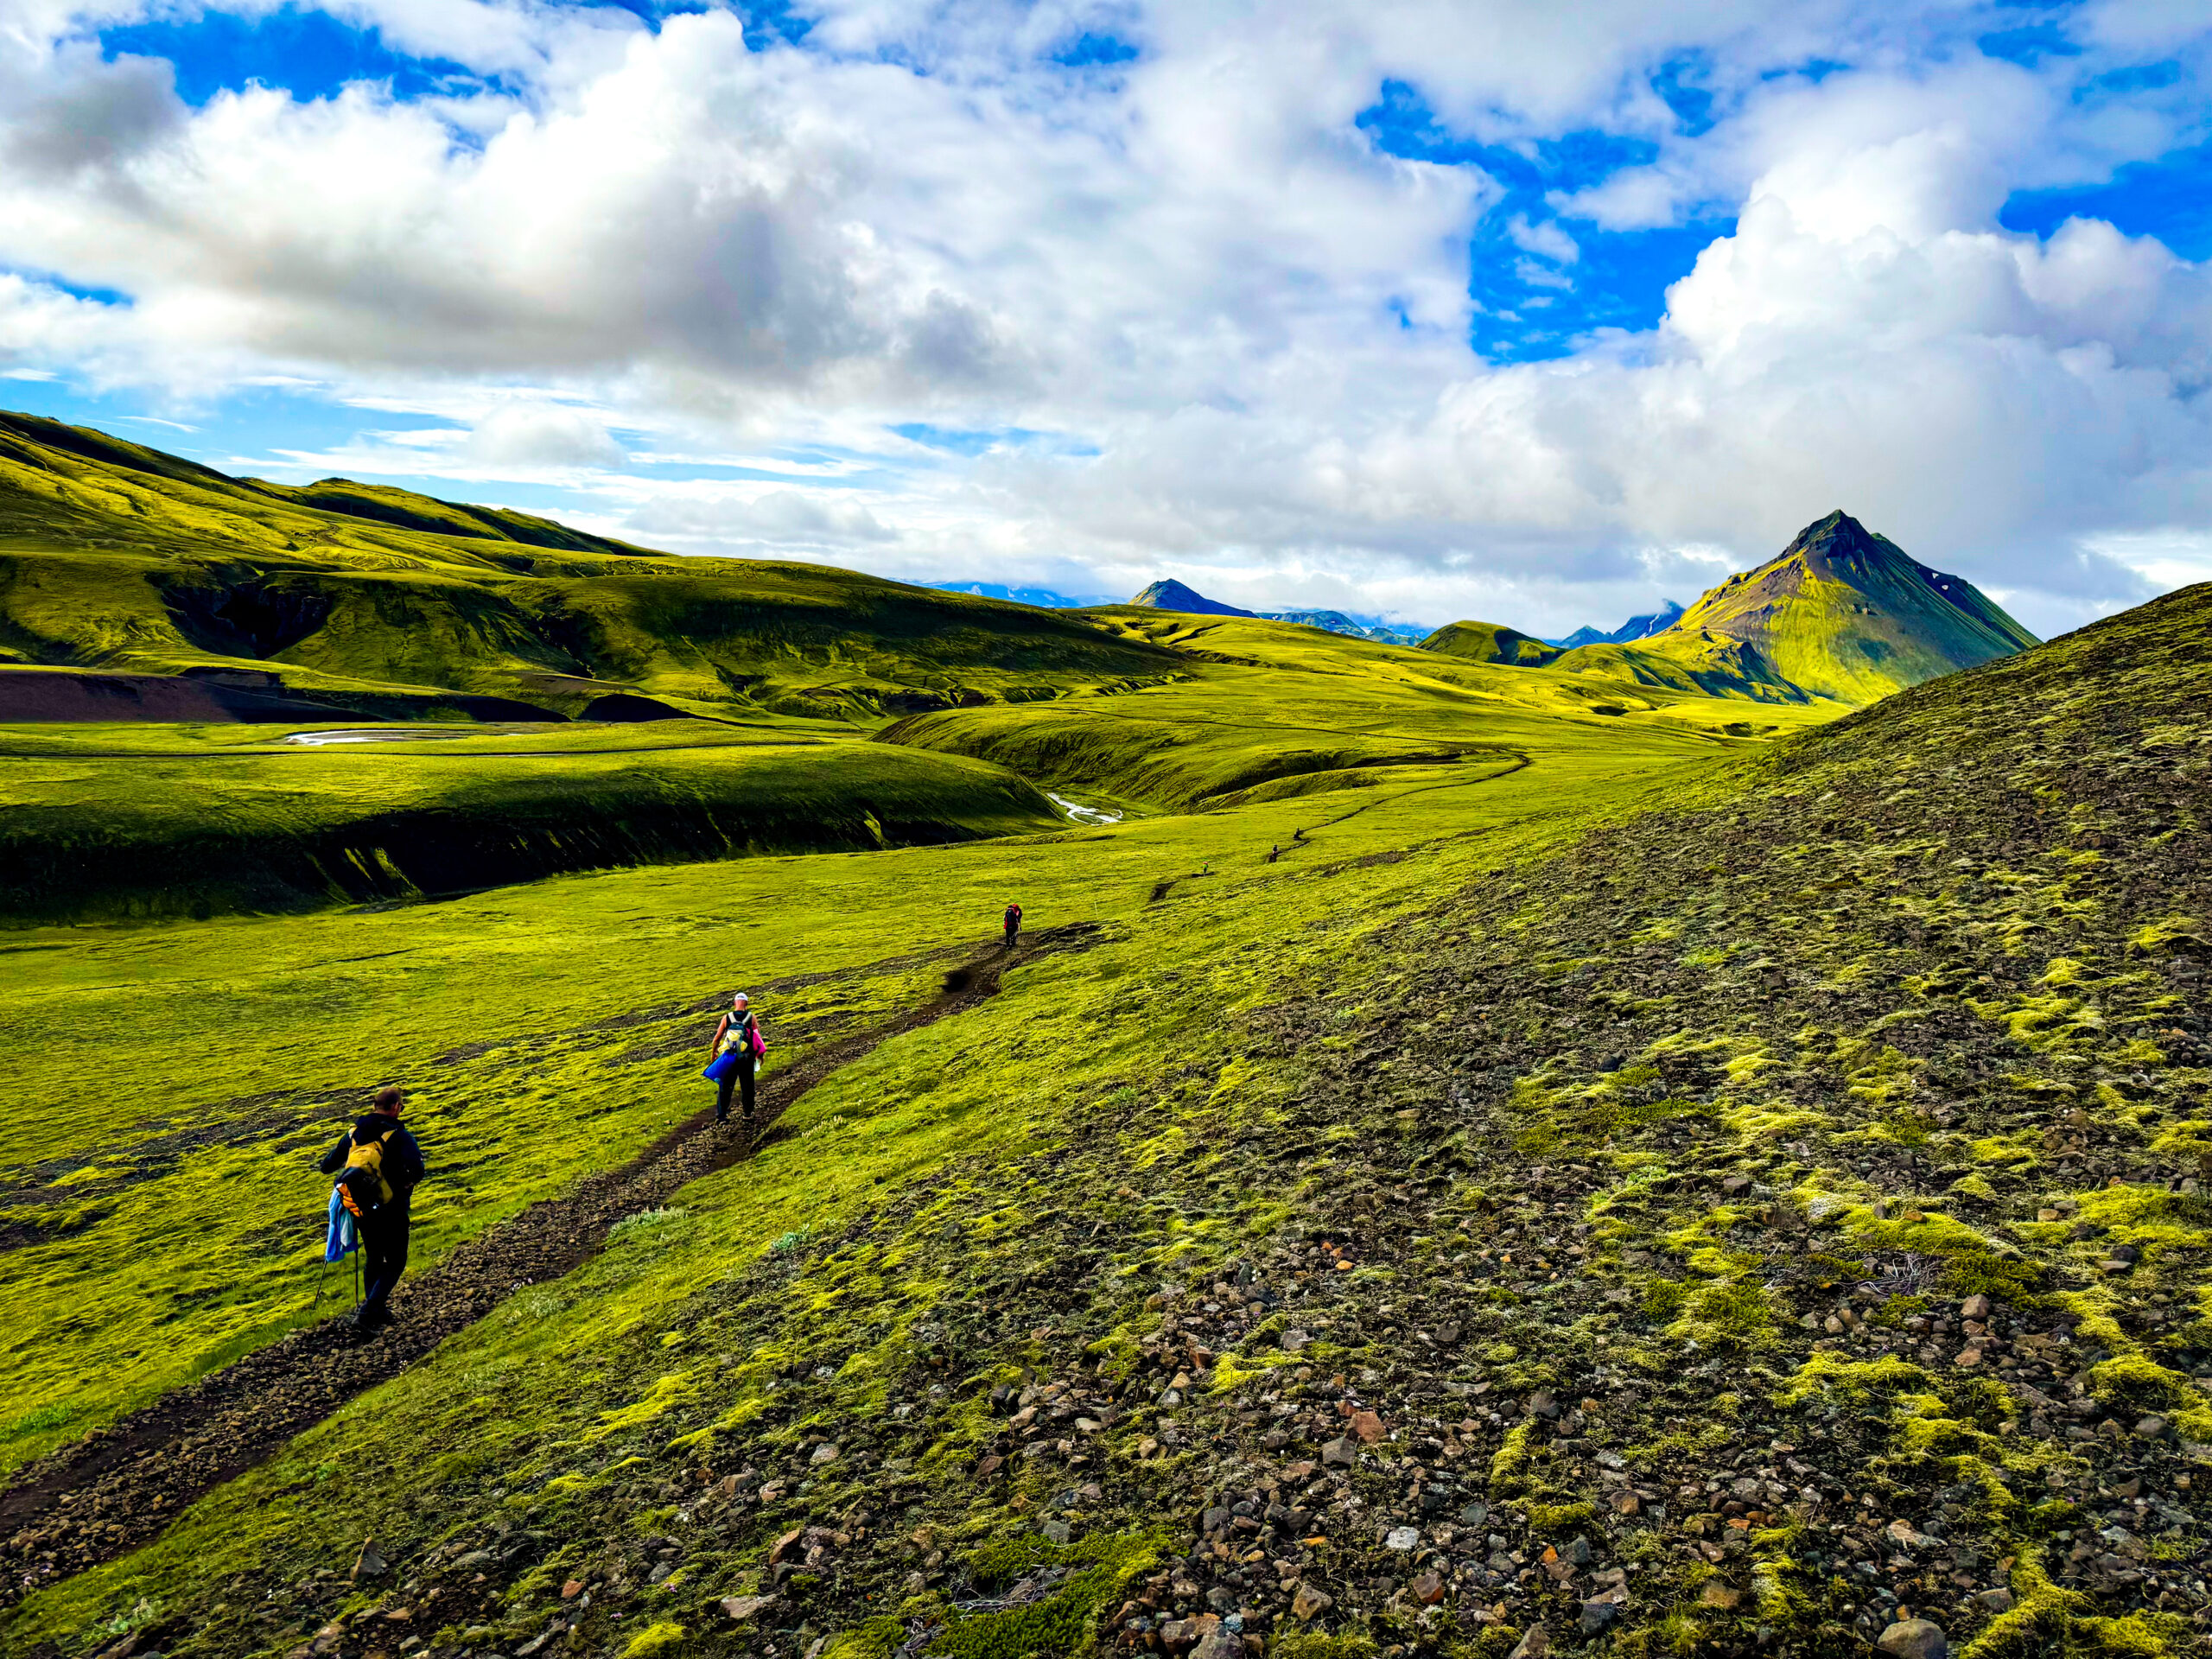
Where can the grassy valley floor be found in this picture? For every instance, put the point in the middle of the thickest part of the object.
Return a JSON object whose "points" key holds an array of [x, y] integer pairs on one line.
{"points": [[1743, 1206], [546, 1030]]}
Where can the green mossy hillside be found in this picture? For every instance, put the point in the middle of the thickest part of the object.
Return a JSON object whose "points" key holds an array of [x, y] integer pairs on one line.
{"points": [[1699, 663], [116, 557], [1490, 642], [34, 440], [101, 824], [1268, 710]]}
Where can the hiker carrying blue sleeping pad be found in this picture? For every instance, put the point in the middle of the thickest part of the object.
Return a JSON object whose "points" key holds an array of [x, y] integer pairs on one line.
{"points": [[379, 1165], [736, 1052]]}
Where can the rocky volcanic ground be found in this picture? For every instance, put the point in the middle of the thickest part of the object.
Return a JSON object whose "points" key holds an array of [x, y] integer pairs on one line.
{"points": [[1777, 1228]]}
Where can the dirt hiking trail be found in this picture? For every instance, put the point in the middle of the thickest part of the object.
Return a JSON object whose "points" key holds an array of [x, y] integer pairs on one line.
{"points": [[122, 1485]]}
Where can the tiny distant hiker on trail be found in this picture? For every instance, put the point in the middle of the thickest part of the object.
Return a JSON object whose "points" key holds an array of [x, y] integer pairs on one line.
{"points": [[379, 1165], [735, 1056], [1013, 924]]}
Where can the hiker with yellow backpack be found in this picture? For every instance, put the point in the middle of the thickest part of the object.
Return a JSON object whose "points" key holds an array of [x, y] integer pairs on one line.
{"points": [[378, 1165]]}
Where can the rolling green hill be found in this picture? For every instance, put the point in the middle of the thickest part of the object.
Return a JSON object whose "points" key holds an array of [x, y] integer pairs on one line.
{"points": [[1490, 642], [118, 557]]}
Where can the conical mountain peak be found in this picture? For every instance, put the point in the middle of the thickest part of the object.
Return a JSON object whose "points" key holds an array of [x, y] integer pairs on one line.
{"points": [[1848, 613]]}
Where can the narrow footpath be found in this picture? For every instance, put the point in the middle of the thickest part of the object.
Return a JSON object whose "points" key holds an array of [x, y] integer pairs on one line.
{"points": [[120, 1486]]}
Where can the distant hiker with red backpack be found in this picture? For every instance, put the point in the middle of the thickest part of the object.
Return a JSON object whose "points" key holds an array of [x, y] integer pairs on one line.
{"points": [[379, 1165], [1013, 924], [734, 1056]]}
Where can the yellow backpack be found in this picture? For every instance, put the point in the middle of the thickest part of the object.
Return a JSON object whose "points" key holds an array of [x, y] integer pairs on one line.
{"points": [[361, 1184]]}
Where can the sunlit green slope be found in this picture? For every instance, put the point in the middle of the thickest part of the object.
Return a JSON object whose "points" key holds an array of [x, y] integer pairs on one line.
{"points": [[114, 556], [1268, 709], [1490, 642]]}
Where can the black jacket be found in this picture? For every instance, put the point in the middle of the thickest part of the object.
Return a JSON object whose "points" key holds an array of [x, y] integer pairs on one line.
{"points": [[403, 1159]]}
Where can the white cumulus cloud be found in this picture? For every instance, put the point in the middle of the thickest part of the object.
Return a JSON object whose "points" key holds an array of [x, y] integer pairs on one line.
{"points": [[1209, 320]]}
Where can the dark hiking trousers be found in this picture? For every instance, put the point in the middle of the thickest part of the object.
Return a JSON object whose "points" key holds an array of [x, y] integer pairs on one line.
{"points": [[740, 1079], [384, 1257]]}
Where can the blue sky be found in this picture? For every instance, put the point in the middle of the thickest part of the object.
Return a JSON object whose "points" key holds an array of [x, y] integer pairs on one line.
{"points": [[1487, 307]]}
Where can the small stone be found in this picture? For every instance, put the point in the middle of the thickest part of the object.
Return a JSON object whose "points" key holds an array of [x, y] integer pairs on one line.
{"points": [[1402, 1538], [1367, 1425], [1310, 1601], [1975, 1307], [1716, 1594], [1294, 1340], [824, 1453], [2151, 1428], [1219, 1643], [1969, 1358], [1598, 1612], [1914, 1638], [777, 1550], [1534, 1644], [1625, 1503], [1474, 1514], [572, 1589], [1428, 1589], [1056, 1532], [1215, 1518], [370, 1563], [741, 1608], [1999, 1600], [1343, 1450]]}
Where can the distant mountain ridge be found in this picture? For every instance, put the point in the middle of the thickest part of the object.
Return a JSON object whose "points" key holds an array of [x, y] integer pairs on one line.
{"points": [[1840, 613], [1169, 595], [1637, 627], [1045, 599]]}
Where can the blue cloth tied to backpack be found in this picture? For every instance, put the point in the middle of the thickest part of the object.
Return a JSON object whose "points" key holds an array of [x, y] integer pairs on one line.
{"points": [[345, 1237]]}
